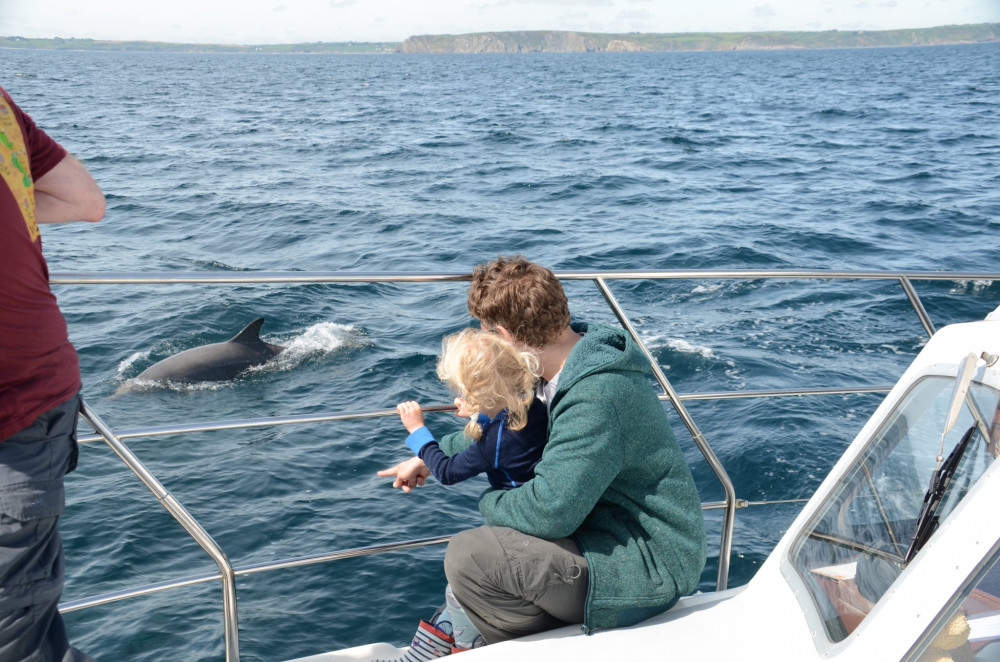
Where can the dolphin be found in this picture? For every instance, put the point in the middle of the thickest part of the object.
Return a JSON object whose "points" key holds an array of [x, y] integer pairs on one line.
{"points": [[218, 361]]}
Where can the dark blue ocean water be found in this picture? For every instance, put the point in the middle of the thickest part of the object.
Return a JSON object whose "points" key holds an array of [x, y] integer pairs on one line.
{"points": [[842, 159]]}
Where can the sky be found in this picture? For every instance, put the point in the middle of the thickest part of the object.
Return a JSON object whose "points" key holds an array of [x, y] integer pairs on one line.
{"points": [[294, 21]]}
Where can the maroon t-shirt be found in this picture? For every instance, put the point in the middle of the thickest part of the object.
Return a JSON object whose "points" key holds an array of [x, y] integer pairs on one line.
{"points": [[39, 368]]}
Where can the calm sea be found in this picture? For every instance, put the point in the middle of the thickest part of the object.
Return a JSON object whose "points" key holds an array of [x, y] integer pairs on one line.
{"points": [[842, 159]]}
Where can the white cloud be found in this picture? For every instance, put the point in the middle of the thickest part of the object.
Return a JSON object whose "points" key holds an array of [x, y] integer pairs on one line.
{"points": [[569, 3], [634, 15], [267, 21]]}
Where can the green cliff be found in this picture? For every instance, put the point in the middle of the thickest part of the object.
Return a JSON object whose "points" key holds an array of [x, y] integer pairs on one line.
{"points": [[552, 41]]}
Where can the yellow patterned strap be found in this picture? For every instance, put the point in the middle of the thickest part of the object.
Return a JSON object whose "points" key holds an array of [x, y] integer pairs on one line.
{"points": [[15, 167]]}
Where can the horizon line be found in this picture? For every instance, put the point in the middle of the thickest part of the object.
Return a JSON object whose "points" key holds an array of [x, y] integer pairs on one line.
{"points": [[475, 32]]}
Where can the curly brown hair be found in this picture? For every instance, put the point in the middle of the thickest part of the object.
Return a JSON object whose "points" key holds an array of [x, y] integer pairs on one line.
{"points": [[523, 297]]}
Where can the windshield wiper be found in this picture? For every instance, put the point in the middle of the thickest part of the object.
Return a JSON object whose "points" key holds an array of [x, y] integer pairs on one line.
{"points": [[927, 521]]}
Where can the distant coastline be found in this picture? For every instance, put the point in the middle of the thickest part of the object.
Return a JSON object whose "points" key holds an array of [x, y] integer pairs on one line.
{"points": [[75, 44], [560, 41]]}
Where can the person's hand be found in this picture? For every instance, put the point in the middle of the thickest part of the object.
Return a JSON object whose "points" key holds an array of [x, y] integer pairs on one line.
{"points": [[409, 474], [463, 408], [411, 415]]}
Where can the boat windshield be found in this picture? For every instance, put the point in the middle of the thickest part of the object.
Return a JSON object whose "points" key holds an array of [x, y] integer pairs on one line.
{"points": [[969, 628], [855, 547]]}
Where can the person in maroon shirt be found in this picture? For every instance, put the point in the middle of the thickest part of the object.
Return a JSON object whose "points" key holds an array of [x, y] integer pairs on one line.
{"points": [[39, 384]]}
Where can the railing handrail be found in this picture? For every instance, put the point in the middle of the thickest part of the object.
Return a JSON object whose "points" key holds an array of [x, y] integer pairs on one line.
{"points": [[239, 571], [274, 421], [262, 422], [250, 277], [185, 519], [227, 573]]}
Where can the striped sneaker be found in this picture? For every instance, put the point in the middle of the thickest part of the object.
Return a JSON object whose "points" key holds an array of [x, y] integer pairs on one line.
{"points": [[428, 643]]}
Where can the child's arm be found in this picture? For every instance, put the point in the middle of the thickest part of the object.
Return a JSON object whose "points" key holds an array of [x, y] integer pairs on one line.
{"points": [[447, 470], [455, 469]]}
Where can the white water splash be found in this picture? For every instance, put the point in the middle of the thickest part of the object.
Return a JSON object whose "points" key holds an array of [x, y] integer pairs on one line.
{"points": [[125, 366], [315, 342], [679, 345], [976, 286], [143, 385], [654, 342]]}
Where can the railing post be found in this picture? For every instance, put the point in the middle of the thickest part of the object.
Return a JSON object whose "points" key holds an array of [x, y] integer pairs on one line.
{"points": [[725, 546], [185, 519], [918, 305]]}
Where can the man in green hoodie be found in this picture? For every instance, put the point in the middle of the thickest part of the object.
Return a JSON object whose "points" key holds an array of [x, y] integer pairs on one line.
{"points": [[610, 530]]}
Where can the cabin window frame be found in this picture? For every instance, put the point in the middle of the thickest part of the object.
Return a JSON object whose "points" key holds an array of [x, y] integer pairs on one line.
{"points": [[829, 591]]}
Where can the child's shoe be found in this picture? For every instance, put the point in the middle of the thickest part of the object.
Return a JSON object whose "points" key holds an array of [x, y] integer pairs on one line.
{"points": [[428, 643]]}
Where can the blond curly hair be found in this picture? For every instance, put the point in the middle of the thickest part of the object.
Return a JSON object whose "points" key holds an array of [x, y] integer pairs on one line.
{"points": [[490, 373]]}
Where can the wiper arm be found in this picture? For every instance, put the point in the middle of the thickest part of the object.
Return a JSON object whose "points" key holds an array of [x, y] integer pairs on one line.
{"points": [[927, 521]]}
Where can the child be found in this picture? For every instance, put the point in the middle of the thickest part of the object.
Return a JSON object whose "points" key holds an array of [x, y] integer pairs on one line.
{"points": [[497, 383]]}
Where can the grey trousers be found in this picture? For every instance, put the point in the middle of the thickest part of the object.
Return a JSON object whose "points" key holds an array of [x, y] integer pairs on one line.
{"points": [[32, 465], [512, 584]]}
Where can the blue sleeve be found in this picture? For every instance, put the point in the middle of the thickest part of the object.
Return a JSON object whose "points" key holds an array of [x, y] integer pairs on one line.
{"points": [[418, 438], [450, 470]]}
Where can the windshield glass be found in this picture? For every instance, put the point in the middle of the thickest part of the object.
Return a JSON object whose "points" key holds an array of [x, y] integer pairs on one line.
{"points": [[854, 549], [970, 628]]}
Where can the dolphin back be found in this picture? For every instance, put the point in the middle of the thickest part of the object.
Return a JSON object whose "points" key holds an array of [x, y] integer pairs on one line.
{"points": [[217, 361], [250, 336]]}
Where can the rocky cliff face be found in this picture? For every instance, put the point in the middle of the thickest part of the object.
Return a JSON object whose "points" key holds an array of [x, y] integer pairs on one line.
{"points": [[554, 41], [505, 42], [622, 46]]}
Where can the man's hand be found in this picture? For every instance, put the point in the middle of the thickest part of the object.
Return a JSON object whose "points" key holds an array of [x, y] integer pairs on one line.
{"points": [[411, 415], [409, 474]]}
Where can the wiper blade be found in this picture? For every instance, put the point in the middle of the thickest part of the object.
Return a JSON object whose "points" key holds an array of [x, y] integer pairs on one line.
{"points": [[927, 521]]}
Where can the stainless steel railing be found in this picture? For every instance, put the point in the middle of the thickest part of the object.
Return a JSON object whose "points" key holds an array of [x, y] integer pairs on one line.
{"points": [[185, 519], [252, 277], [227, 573]]}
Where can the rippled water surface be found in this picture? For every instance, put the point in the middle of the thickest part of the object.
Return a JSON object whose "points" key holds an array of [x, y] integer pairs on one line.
{"points": [[841, 159]]}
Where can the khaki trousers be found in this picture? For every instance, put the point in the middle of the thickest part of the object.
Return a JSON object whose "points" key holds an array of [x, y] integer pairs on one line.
{"points": [[512, 584]]}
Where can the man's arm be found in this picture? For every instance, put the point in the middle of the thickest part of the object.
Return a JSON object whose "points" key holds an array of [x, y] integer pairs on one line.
{"points": [[455, 443], [580, 461], [66, 193]]}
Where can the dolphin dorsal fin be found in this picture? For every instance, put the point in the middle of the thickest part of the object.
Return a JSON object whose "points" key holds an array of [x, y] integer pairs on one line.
{"points": [[250, 333]]}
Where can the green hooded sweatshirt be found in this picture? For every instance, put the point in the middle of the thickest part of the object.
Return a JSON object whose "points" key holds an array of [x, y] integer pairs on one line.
{"points": [[613, 479]]}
